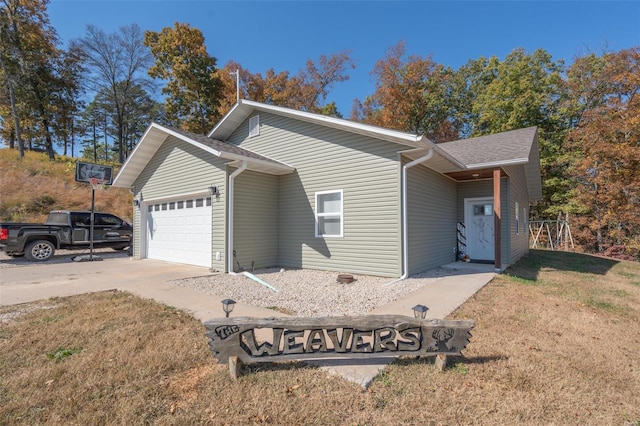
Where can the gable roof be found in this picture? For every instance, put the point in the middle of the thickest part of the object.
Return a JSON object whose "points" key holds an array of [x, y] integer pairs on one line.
{"points": [[156, 134], [243, 109]]}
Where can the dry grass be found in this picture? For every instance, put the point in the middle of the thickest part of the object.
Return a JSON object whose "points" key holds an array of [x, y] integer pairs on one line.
{"points": [[34, 185], [556, 342]]}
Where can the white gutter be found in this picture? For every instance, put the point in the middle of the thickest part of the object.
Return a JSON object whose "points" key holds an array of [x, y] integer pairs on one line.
{"points": [[405, 224], [232, 176]]}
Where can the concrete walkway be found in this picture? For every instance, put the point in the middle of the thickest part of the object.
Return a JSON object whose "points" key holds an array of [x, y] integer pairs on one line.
{"points": [[152, 280], [442, 297]]}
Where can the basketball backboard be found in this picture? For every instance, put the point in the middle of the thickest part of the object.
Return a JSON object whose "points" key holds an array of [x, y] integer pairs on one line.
{"points": [[85, 171]]}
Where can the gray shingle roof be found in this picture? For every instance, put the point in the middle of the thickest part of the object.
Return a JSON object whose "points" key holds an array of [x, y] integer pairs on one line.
{"points": [[220, 145], [506, 147]]}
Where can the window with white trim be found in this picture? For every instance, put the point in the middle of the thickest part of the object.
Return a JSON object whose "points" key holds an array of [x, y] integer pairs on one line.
{"points": [[254, 126], [517, 209], [329, 218]]}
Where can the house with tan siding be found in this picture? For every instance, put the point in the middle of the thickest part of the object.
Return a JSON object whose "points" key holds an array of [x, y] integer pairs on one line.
{"points": [[276, 187]]}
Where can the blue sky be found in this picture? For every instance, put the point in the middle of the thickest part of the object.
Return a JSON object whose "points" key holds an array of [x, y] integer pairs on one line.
{"points": [[283, 35]]}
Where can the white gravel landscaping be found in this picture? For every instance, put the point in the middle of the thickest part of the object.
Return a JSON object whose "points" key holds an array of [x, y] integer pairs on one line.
{"points": [[312, 293]]}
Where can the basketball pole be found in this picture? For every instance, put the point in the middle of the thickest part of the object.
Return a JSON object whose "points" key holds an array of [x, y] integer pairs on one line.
{"points": [[93, 205], [90, 257]]}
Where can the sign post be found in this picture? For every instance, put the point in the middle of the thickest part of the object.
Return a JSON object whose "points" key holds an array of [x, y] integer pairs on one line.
{"points": [[99, 176]]}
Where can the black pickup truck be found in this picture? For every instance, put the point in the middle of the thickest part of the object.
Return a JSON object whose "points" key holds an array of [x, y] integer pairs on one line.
{"points": [[64, 230]]}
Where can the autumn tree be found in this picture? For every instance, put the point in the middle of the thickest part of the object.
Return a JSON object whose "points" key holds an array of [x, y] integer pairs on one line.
{"points": [[307, 90], [320, 77], [29, 60], [116, 64], [411, 94], [193, 88], [605, 141]]}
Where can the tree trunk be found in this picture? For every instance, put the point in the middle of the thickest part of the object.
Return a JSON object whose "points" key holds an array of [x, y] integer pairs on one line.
{"points": [[14, 109], [73, 135], [65, 140], [95, 143], [598, 225], [47, 138], [106, 145]]}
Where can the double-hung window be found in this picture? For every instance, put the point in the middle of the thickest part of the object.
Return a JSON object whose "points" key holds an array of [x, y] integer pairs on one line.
{"points": [[329, 218]]}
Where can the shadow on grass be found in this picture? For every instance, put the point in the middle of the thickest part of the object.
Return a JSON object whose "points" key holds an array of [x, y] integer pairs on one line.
{"points": [[451, 360], [530, 266], [275, 366]]}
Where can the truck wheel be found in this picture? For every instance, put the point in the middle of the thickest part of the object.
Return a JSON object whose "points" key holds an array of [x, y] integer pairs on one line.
{"points": [[39, 250]]}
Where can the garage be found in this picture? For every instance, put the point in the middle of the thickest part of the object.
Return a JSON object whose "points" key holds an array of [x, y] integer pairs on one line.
{"points": [[180, 231]]}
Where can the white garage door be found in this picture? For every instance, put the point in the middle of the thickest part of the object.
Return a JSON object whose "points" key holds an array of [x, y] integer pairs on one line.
{"points": [[180, 231]]}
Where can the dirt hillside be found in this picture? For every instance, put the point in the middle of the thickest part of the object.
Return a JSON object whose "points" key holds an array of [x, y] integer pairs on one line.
{"points": [[34, 185]]}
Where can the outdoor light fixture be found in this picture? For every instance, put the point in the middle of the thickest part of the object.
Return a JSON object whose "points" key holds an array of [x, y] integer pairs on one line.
{"points": [[420, 311], [227, 306], [213, 190], [136, 202]]}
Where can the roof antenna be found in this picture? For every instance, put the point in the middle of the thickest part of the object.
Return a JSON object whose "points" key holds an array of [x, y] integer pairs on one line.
{"points": [[237, 74]]}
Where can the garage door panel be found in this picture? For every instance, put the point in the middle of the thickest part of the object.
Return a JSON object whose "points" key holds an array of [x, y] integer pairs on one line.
{"points": [[181, 235]]}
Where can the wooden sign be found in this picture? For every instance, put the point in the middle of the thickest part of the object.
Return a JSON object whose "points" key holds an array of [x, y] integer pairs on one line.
{"points": [[253, 340]]}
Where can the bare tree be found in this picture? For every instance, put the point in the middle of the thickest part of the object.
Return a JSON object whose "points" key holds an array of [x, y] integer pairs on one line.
{"points": [[116, 64]]}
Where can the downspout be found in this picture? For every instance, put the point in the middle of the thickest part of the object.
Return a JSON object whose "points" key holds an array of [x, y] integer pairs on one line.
{"points": [[405, 224], [230, 197], [230, 270]]}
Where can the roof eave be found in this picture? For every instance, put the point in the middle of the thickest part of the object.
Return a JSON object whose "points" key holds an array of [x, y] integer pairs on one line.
{"points": [[274, 167], [244, 108], [512, 162], [223, 120], [123, 178]]}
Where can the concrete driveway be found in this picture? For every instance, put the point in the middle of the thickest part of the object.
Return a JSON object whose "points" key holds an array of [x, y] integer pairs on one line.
{"points": [[22, 281]]}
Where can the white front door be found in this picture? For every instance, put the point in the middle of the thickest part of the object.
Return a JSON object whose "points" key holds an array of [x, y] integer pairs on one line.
{"points": [[478, 220]]}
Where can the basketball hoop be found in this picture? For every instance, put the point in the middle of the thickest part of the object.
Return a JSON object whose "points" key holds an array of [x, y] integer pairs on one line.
{"points": [[98, 183]]}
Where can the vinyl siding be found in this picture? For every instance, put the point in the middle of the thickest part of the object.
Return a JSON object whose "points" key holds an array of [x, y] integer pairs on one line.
{"points": [[179, 168], [517, 193], [255, 225], [368, 173], [432, 219], [484, 188]]}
